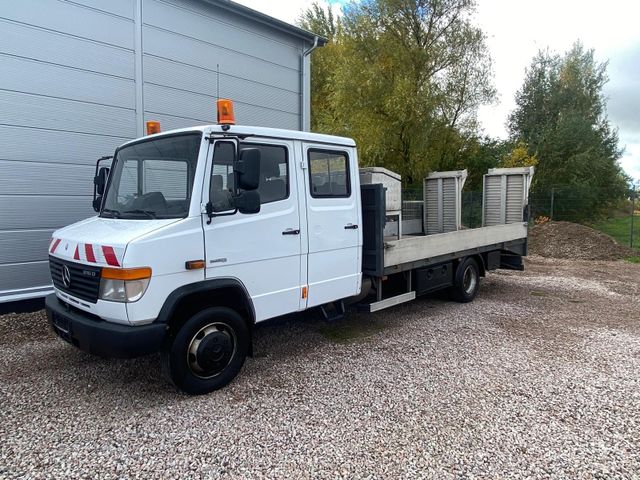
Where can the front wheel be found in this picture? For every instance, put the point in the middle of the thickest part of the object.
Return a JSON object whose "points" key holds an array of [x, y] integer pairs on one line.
{"points": [[208, 351], [467, 281]]}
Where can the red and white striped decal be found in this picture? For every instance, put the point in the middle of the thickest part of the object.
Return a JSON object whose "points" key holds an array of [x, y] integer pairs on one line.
{"points": [[88, 251], [110, 256], [54, 244]]}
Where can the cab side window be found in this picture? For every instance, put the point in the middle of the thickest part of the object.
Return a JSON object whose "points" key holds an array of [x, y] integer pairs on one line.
{"points": [[274, 172], [329, 174]]}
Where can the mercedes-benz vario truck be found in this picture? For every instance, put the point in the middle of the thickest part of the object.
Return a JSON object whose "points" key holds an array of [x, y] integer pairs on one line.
{"points": [[203, 232]]}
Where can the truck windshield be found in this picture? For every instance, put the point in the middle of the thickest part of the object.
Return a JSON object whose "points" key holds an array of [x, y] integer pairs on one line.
{"points": [[153, 178]]}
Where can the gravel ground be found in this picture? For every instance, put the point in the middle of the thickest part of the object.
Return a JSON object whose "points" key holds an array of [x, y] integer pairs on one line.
{"points": [[538, 378]]}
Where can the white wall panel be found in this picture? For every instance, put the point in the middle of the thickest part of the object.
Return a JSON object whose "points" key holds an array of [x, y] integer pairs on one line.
{"points": [[31, 76], [266, 117], [171, 101], [35, 111], [39, 212], [24, 245], [168, 73], [71, 19], [61, 49], [193, 52], [42, 145], [31, 178], [206, 28], [20, 276], [123, 8], [171, 122], [246, 23]]}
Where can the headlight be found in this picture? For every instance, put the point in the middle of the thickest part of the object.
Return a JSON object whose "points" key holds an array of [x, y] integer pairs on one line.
{"points": [[124, 284]]}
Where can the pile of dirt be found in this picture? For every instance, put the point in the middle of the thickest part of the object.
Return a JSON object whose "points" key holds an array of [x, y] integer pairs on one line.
{"points": [[572, 240]]}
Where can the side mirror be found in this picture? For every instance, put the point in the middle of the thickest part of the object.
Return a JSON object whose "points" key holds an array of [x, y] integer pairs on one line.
{"points": [[97, 203], [248, 169], [248, 201], [100, 180]]}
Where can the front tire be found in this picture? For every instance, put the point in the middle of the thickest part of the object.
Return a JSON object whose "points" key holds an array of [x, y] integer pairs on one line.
{"points": [[208, 351], [467, 281]]}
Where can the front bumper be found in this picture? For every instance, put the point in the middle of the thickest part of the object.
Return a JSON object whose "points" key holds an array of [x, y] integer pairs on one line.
{"points": [[100, 337]]}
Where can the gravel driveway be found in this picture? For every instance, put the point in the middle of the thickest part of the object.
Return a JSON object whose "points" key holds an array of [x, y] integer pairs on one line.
{"points": [[538, 378]]}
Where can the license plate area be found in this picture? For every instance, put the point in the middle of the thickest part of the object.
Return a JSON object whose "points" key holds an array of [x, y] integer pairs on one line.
{"points": [[62, 326]]}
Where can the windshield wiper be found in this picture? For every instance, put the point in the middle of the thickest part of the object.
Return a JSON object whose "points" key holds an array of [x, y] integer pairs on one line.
{"points": [[148, 213], [114, 213]]}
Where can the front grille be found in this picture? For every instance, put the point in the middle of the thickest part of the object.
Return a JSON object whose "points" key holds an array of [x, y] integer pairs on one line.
{"points": [[85, 279]]}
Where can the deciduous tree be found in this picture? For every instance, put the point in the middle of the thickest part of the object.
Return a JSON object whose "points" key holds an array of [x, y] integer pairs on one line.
{"points": [[404, 78], [561, 115]]}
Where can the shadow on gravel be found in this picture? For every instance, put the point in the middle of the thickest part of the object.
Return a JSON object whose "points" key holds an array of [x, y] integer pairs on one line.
{"points": [[35, 360]]}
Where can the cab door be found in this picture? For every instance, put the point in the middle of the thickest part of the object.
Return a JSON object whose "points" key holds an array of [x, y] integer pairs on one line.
{"points": [[334, 230], [261, 250]]}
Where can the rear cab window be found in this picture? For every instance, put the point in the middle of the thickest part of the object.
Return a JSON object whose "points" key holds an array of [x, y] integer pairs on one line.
{"points": [[329, 173]]}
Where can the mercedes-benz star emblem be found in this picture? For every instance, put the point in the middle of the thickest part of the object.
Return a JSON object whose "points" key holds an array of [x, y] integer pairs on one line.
{"points": [[66, 276]]}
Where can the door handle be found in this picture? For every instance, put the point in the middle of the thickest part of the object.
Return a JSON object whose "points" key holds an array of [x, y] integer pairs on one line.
{"points": [[291, 231], [350, 227]]}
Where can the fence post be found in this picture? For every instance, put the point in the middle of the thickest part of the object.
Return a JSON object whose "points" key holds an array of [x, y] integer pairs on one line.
{"points": [[552, 197], [633, 211]]}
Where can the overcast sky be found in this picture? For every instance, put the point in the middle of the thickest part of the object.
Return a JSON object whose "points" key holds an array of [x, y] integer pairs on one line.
{"points": [[517, 29]]}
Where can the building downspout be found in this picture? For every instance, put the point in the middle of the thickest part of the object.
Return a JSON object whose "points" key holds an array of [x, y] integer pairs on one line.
{"points": [[138, 69], [305, 86]]}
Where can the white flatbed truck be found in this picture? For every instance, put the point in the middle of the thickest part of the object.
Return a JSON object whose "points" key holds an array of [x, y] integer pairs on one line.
{"points": [[203, 232]]}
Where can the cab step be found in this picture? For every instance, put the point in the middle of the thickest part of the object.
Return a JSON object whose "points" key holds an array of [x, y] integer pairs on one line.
{"points": [[333, 311]]}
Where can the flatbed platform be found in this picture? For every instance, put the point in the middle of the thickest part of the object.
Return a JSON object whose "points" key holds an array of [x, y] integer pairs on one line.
{"points": [[414, 248]]}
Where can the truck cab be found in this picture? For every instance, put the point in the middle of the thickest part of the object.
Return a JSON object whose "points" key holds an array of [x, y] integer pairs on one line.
{"points": [[201, 233]]}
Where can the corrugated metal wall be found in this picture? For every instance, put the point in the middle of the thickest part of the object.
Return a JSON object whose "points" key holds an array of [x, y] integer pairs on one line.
{"points": [[188, 39], [68, 95]]}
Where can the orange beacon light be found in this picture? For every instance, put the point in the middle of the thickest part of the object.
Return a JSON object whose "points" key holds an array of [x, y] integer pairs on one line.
{"points": [[225, 112], [153, 127]]}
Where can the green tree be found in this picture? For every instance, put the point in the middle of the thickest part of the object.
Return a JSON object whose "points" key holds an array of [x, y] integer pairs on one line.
{"points": [[561, 116], [483, 153], [323, 66], [519, 156], [404, 78]]}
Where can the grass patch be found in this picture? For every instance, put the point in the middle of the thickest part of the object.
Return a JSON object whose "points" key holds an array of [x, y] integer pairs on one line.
{"points": [[620, 229], [633, 259], [349, 331]]}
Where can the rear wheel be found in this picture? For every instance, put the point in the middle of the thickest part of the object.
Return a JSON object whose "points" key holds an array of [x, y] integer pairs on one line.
{"points": [[467, 281], [208, 351]]}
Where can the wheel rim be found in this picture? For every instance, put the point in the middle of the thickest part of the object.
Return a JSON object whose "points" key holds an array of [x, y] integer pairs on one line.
{"points": [[469, 280], [211, 350]]}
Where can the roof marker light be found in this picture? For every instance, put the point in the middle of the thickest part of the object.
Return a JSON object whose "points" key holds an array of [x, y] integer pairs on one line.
{"points": [[153, 127]]}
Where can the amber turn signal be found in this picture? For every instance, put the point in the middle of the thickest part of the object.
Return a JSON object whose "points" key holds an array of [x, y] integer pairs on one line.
{"points": [[126, 273], [194, 264]]}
